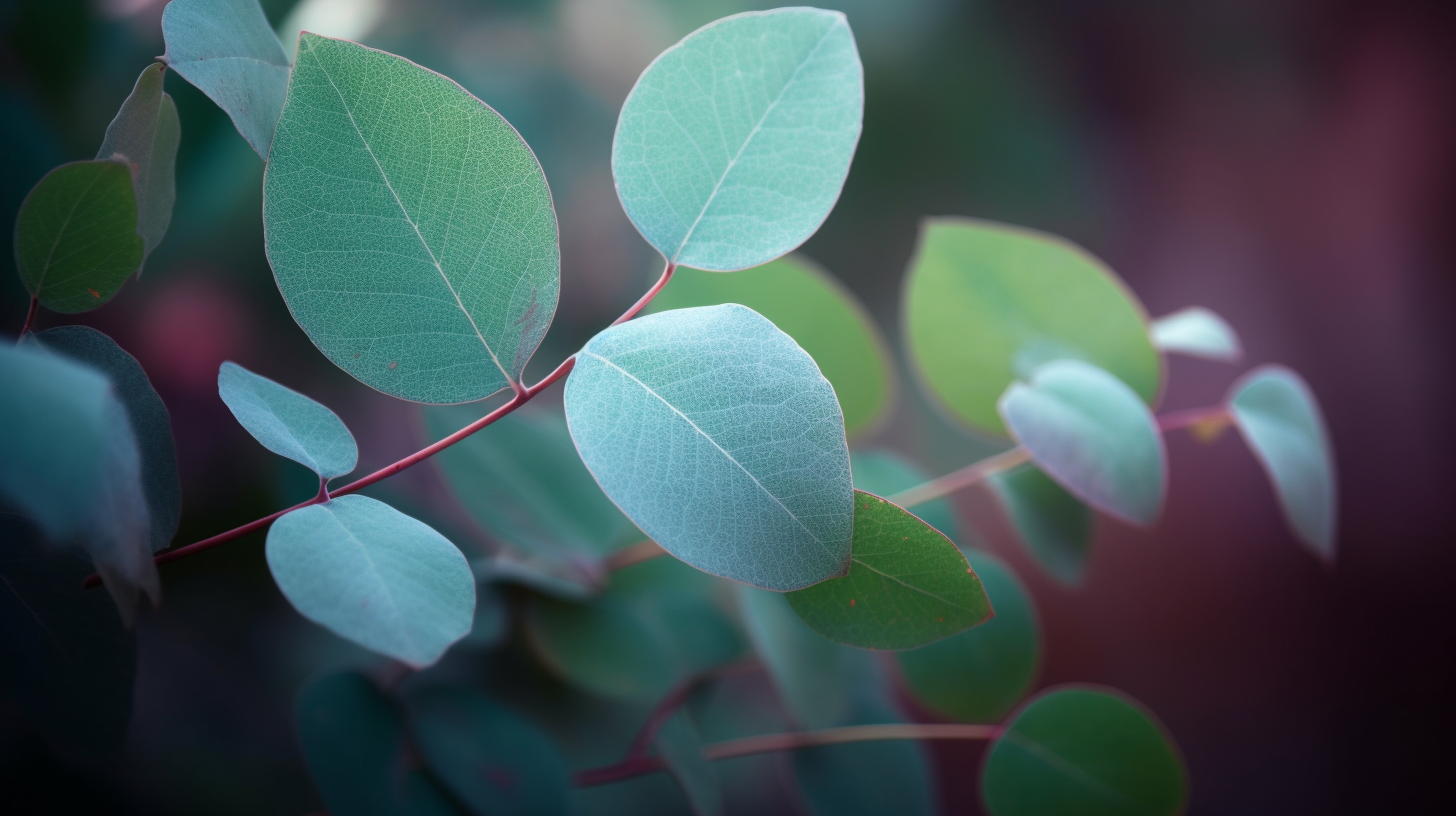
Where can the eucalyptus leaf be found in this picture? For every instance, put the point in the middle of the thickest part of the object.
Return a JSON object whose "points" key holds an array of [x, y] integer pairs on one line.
{"points": [[717, 435], [1089, 431], [867, 778], [288, 423], [1197, 332], [682, 751], [1054, 526], [373, 575], [908, 585], [409, 226], [807, 668], [145, 134], [885, 473], [734, 144]]}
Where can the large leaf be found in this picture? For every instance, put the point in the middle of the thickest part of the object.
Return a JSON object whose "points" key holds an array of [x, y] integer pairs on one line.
{"points": [[76, 235], [145, 134], [1054, 526], [1197, 332], [822, 316], [227, 49], [719, 437], [986, 304], [682, 751], [908, 585], [733, 146], [885, 473], [980, 675], [1086, 751], [807, 669], [1280, 419], [288, 423], [867, 778], [1091, 433], [409, 226], [369, 573]]}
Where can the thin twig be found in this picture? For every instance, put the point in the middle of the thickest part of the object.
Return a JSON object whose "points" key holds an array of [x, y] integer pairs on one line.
{"points": [[633, 554], [1193, 416], [965, 477], [651, 293], [674, 700]]}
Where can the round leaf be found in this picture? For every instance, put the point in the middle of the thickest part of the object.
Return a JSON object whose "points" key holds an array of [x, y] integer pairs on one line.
{"points": [[1197, 332], [145, 134], [287, 422], [884, 473], [1051, 523]]}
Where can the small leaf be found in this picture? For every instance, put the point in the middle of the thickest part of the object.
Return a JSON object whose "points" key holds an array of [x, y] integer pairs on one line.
{"points": [[76, 235], [867, 778], [733, 146], [145, 133], [717, 435], [288, 423], [1086, 751], [373, 575], [908, 585], [885, 473], [986, 304], [822, 316], [980, 675], [227, 49], [1197, 332], [682, 751], [1055, 528], [806, 668], [1091, 433], [409, 226], [1281, 421]]}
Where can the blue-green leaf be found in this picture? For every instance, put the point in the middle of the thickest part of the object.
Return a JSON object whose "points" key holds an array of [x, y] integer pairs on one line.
{"points": [[682, 751], [145, 135], [719, 437], [733, 146], [288, 423], [373, 575], [1093, 434], [1054, 526], [409, 226], [885, 473], [867, 778], [807, 668], [1197, 332]]}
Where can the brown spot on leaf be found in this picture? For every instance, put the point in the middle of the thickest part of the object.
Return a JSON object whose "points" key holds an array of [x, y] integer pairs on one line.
{"points": [[393, 364], [94, 293], [358, 354], [851, 602]]}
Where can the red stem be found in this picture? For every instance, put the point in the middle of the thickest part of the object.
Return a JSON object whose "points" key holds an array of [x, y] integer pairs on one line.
{"points": [[30, 315], [1183, 419], [651, 293]]}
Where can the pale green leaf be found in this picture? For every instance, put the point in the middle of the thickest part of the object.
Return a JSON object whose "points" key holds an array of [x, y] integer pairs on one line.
{"points": [[807, 668], [145, 135], [1055, 528], [682, 751], [288, 423], [1197, 332]]}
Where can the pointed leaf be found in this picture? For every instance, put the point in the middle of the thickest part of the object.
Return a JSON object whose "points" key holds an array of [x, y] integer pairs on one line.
{"points": [[288, 423], [718, 436], [908, 585], [806, 668], [1197, 332], [733, 146], [409, 226], [682, 751], [867, 778], [373, 575], [885, 473], [1091, 433], [1055, 528], [145, 134]]}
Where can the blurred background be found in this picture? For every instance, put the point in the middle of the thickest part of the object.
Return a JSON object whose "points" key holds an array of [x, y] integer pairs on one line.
{"points": [[1287, 163]]}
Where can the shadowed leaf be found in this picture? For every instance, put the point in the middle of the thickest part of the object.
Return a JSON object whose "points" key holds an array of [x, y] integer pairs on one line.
{"points": [[681, 749], [1053, 526], [807, 668], [288, 423], [145, 134]]}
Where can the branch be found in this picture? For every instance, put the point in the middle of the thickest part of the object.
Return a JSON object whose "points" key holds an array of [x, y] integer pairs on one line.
{"points": [[632, 555], [1193, 416], [965, 477]]}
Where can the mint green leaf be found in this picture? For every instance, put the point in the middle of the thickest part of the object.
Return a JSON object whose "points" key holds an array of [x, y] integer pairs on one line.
{"points": [[822, 316], [1084, 750], [682, 751], [1280, 419], [985, 304], [1089, 431], [807, 669], [1197, 332], [1055, 528], [409, 226], [373, 575], [885, 473], [908, 585], [867, 778], [76, 236], [145, 134], [980, 675], [717, 435], [227, 49], [288, 423], [733, 146]]}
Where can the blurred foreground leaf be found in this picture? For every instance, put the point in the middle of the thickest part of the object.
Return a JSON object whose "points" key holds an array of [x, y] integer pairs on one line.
{"points": [[1052, 524], [682, 751]]}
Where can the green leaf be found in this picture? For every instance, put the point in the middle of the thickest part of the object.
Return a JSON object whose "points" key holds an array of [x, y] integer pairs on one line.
{"points": [[822, 316], [908, 585], [986, 304], [145, 134], [373, 575], [1089, 431], [1197, 332], [980, 675], [717, 435], [409, 226], [1051, 523], [885, 473], [565, 579], [867, 778], [491, 624], [227, 49], [1086, 751], [682, 751], [76, 235], [492, 760], [733, 146], [806, 668], [288, 423], [1280, 419]]}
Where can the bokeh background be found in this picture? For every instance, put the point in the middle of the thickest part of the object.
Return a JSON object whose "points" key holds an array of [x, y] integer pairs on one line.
{"points": [[1288, 163]]}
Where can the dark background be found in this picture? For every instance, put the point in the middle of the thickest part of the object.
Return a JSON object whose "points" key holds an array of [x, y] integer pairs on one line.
{"points": [[1288, 163]]}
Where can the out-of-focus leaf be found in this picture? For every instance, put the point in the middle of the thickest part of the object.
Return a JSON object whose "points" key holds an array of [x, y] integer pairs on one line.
{"points": [[76, 235], [719, 437], [145, 134], [733, 146], [409, 226], [567, 580], [1055, 528], [807, 668], [1197, 332], [867, 778], [288, 423], [682, 751], [885, 473], [491, 624]]}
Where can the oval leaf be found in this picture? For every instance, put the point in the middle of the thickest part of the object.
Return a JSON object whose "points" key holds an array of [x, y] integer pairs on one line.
{"points": [[1280, 419], [1054, 527], [145, 134], [719, 437], [985, 304], [806, 668], [682, 751], [734, 144], [288, 423], [884, 473], [1197, 332], [409, 226], [1091, 433], [1085, 751], [373, 575], [908, 585]]}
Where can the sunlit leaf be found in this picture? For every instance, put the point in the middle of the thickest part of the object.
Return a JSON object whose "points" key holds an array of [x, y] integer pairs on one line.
{"points": [[1055, 528], [288, 423], [682, 751], [145, 134], [733, 146], [409, 226], [867, 778], [1197, 332], [807, 669], [885, 473], [720, 439]]}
